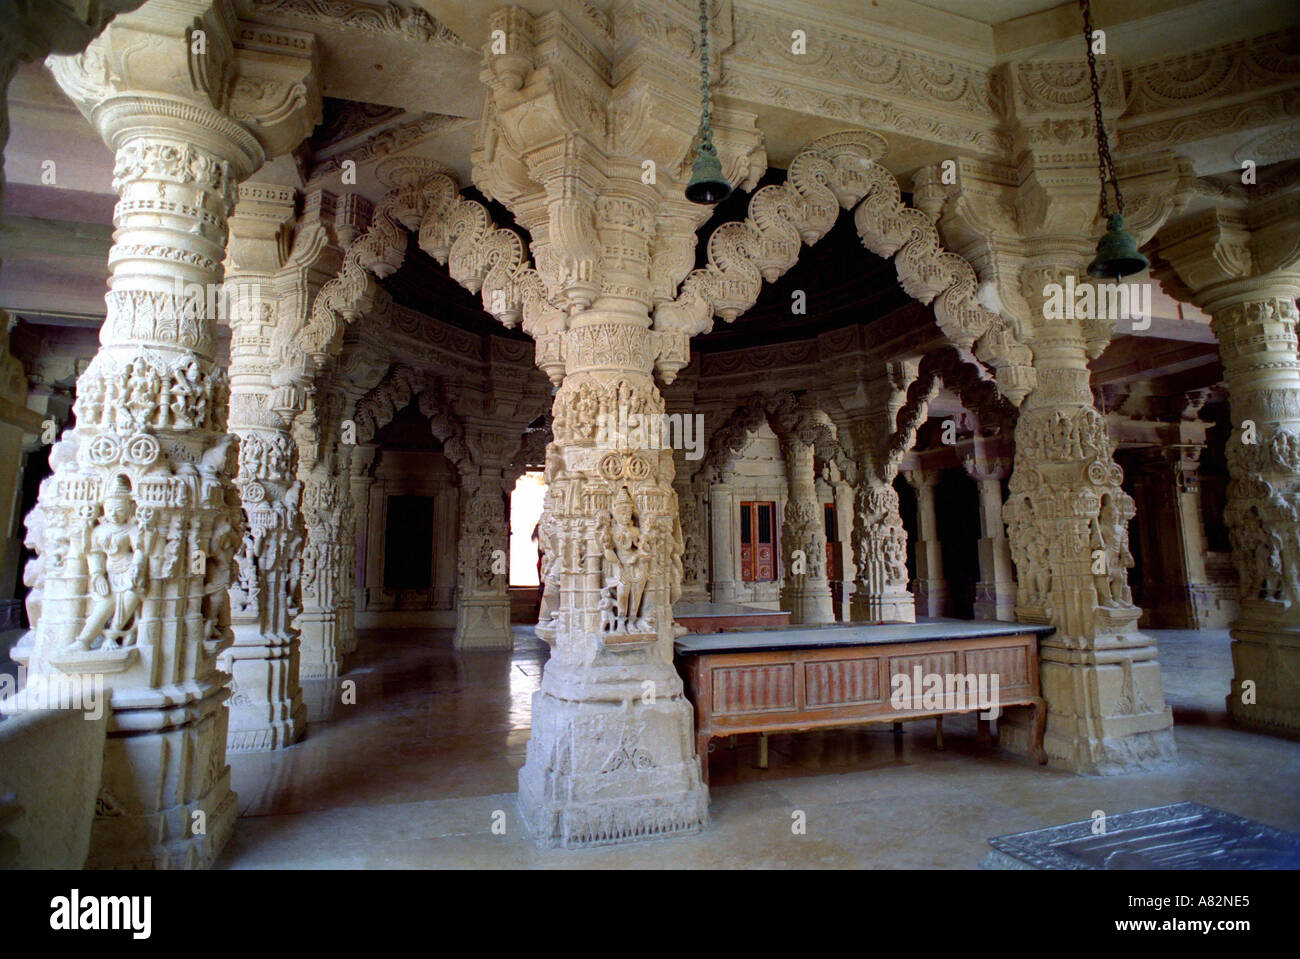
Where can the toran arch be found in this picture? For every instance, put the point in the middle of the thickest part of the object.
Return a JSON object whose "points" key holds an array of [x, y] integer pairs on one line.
{"points": [[393, 393], [836, 171], [840, 169]]}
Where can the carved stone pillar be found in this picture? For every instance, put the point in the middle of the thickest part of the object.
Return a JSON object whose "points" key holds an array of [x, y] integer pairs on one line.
{"points": [[995, 594], [606, 761], [848, 572], [879, 539], [1068, 521], [266, 706], [931, 587], [612, 754], [692, 500], [483, 550], [806, 591], [326, 508], [1243, 268], [137, 528], [722, 528], [362, 479]]}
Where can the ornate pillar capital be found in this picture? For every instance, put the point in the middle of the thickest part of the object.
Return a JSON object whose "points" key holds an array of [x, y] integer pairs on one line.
{"points": [[191, 71]]}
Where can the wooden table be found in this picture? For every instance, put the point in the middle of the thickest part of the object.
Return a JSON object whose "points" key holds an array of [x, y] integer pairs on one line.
{"points": [[797, 678]]}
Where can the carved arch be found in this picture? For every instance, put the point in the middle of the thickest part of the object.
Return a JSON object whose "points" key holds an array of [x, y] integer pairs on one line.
{"points": [[960, 373], [789, 419], [832, 172], [393, 393], [458, 233]]}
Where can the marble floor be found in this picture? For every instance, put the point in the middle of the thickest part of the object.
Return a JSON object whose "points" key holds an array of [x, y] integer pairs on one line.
{"points": [[415, 772]]}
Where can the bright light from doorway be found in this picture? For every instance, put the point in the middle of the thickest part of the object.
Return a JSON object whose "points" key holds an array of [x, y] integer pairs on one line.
{"points": [[525, 511]]}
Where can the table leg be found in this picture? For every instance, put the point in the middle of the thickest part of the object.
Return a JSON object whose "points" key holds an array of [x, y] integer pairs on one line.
{"points": [[938, 733], [703, 743], [762, 750], [1040, 728], [898, 739]]}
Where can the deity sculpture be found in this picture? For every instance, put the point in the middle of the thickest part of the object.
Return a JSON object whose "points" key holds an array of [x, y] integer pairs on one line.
{"points": [[117, 562], [626, 564], [1110, 535]]}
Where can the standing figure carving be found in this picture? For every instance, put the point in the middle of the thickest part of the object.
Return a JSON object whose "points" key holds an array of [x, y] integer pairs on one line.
{"points": [[117, 563], [624, 563]]}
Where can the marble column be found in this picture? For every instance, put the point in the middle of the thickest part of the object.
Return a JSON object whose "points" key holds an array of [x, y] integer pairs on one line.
{"points": [[879, 538], [848, 572], [483, 550], [722, 529], [1243, 268], [137, 528], [326, 500], [806, 591], [931, 587], [995, 593], [362, 479], [266, 706]]}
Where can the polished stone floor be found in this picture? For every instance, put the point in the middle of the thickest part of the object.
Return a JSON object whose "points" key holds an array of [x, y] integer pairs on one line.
{"points": [[415, 772]]}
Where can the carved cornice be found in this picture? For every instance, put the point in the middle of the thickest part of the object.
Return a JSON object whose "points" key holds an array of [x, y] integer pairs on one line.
{"points": [[866, 80], [380, 144], [1181, 99], [387, 19]]}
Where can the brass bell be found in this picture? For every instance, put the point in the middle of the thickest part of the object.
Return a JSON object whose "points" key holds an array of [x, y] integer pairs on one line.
{"points": [[707, 184], [1117, 253]]}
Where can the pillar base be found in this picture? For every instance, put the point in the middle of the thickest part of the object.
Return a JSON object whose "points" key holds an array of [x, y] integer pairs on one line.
{"points": [[1106, 707], [266, 706], [931, 597], [809, 603], [604, 766], [320, 655], [130, 831], [483, 623], [1271, 659], [897, 607], [995, 605]]}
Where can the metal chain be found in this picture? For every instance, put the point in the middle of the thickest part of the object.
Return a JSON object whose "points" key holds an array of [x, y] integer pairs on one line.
{"points": [[1105, 165], [704, 65]]}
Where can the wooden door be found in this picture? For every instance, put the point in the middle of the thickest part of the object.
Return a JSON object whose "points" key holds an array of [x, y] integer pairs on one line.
{"points": [[757, 542]]}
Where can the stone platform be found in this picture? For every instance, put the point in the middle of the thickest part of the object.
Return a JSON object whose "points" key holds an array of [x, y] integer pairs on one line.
{"points": [[1185, 835]]}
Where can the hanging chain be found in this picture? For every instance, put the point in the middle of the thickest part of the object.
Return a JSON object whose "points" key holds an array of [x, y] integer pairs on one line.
{"points": [[704, 67], [1105, 165]]}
